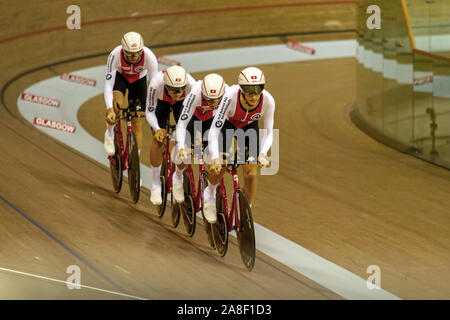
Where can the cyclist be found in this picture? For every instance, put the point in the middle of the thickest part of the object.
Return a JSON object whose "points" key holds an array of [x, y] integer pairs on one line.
{"points": [[166, 90], [199, 109], [241, 108], [129, 66]]}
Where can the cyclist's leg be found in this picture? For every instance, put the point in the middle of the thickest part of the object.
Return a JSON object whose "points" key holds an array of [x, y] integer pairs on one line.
{"points": [[181, 163], [156, 149], [162, 114], [250, 180], [138, 91], [209, 195], [119, 90], [250, 168]]}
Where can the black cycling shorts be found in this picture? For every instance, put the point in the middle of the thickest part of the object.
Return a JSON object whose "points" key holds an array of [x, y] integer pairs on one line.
{"points": [[162, 112], [201, 129], [136, 90], [247, 142]]}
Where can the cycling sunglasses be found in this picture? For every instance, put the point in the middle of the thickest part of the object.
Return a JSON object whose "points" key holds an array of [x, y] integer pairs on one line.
{"points": [[252, 89], [175, 89], [132, 54], [216, 100]]}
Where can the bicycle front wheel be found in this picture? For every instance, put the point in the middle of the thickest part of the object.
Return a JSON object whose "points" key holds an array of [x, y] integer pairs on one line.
{"points": [[219, 229], [115, 166], [187, 207], [246, 231], [134, 172]]}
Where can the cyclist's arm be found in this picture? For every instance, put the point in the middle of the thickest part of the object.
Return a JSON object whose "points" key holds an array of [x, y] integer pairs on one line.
{"points": [[221, 116], [189, 106], [152, 101], [268, 113], [152, 63], [111, 70]]}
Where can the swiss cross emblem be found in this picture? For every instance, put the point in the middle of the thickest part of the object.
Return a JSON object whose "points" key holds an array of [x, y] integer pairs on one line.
{"points": [[213, 91], [134, 45], [253, 77], [177, 79]]}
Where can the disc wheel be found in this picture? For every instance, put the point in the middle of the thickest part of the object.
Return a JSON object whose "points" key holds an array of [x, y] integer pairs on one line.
{"points": [[246, 231], [134, 173], [205, 222], [115, 166], [219, 229], [187, 207]]}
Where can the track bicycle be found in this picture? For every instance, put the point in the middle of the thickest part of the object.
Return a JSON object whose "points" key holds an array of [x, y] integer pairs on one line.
{"points": [[126, 156]]}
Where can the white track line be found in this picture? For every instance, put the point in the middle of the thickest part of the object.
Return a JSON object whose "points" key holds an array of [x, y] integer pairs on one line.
{"points": [[73, 95], [65, 282]]}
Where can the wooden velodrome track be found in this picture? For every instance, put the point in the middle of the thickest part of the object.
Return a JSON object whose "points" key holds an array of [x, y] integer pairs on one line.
{"points": [[338, 193]]}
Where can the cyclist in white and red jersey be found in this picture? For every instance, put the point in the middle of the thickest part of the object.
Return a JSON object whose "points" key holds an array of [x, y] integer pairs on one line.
{"points": [[198, 112], [239, 111], [166, 90], [129, 66]]}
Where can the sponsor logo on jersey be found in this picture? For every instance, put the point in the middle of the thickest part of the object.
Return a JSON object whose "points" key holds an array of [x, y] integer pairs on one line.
{"points": [[184, 116], [61, 126], [41, 100], [79, 79], [256, 116], [218, 124], [212, 91], [253, 77], [108, 76], [151, 109], [139, 69]]}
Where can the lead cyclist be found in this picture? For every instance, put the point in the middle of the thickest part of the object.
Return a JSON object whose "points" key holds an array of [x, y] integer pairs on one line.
{"points": [[129, 66]]}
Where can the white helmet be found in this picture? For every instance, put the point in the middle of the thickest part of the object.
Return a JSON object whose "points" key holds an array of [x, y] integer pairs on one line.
{"points": [[132, 42], [251, 76], [175, 77], [213, 86]]}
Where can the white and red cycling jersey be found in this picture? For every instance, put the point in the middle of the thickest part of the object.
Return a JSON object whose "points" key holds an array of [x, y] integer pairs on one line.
{"points": [[156, 93], [194, 105], [147, 66], [230, 109]]}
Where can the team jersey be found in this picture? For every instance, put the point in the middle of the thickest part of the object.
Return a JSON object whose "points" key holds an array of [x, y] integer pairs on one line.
{"points": [[147, 66], [194, 105], [231, 109], [156, 93]]}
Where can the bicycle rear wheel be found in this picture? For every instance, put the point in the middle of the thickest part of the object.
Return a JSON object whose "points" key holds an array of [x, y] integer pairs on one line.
{"points": [[219, 229], [115, 166], [163, 177], [134, 172], [246, 231], [205, 222], [187, 207]]}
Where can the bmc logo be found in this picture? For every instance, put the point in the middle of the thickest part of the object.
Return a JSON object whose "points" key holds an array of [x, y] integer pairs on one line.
{"points": [[213, 91], [253, 77]]}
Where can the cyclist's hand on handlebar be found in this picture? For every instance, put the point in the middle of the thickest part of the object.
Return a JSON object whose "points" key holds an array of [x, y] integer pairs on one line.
{"points": [[110, 116], [183, 154], [216, 165], [263, 162], [160, 135]]}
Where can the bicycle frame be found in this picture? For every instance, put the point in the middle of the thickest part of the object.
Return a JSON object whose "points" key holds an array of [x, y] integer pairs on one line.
{"points": [[233, 212], [124, 149], [198, 198]]}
